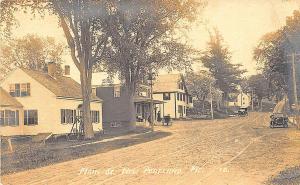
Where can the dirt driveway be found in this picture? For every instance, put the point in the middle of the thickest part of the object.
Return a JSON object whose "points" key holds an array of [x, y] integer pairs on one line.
{"points": [[235, 151]]}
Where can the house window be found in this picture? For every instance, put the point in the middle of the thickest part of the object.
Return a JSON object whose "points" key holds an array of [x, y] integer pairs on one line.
{"points": [[166, 96], [95, 116], [19, 90], [117, 91], [181, 97], [184, 97], [9, 118], [30, 117], [67, 115], [178, 98], [2, 118]]}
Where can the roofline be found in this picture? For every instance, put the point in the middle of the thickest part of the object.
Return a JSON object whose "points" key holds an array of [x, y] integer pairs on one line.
{"points": [[43, 85], [9, 74], [160, 92], [11, 106], [80, 99]]}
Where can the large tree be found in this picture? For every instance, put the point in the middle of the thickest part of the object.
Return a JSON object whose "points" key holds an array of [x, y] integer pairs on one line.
{"points": [[217, 58], [32, 52], [271, 56], [142, 34], [200, 83], [81, 22], [258, 84]]}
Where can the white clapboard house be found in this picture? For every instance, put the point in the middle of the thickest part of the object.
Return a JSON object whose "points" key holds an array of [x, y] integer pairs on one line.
{"points": [[33, 102], [171, 89]]}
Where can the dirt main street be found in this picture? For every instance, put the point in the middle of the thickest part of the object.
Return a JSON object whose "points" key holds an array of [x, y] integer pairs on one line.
{"points": [[235, 151]]}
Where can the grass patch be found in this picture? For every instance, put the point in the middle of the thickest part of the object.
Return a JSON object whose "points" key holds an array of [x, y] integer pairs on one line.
{"points": [[29, 155]]}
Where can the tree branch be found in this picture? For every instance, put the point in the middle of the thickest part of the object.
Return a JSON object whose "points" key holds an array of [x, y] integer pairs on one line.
{"points": [[70, 41]]}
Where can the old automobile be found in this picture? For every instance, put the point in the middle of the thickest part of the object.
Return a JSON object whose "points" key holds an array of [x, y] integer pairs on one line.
{"points": [[279, 119]]}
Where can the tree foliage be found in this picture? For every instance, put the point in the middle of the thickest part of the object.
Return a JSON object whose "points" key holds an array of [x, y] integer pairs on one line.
{"points": [[138, 33], [272, 52], [271, 57], [142, 37], [199, 84], [217, 58], [259, 85], [32, 52], [81, 21]]}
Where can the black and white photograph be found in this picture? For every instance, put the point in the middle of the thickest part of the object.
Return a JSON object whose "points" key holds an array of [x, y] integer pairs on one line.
{"points": [[149, 92]]}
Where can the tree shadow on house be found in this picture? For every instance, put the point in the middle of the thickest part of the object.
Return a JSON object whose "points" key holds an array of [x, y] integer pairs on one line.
{"points": [[29, 155]]}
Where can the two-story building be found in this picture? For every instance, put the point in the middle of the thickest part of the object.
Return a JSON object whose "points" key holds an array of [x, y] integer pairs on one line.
{"points": [[34, 102], [115, 103], [240, 100], [171, 89]]}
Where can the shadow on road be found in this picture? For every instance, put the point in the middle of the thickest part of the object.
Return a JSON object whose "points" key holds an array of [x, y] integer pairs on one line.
{"points": [[289, 176], [31, 155]]}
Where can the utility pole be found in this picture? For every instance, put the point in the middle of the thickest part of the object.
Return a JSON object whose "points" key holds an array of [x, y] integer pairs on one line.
{"points": [[211, 102], [241, 98], [252, 100], [152, 117], [294, 80], [295, 87], [150, 80]]}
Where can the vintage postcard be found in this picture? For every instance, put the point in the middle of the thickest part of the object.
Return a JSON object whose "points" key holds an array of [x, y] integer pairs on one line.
{"points": [[149, 92]]}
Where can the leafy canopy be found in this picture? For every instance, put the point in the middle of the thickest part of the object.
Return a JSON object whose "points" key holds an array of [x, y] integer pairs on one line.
{"points": [[217, 59]]}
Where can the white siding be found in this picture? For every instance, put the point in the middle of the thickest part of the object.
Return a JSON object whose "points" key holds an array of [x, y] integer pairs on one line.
{"points": [[13, 130], [48, 107], [169, 105], [243, 100]]}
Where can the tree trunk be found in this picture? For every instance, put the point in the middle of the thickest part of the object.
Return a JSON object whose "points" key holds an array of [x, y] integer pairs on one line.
{"points": [[86, 80], [260, 105], [226, 102], [131, 116], [203, 105], [218, 105]]}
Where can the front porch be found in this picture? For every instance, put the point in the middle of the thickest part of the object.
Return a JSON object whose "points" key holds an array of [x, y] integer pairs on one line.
{"points": [[142, 107]]}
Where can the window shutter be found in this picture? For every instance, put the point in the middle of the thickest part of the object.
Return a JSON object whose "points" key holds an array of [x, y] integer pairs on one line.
{"points": [[25, 118], [17, 117], [62, 115], [28, 89]]}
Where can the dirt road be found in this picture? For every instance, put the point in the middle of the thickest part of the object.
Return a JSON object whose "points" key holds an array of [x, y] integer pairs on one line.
{"points": [[235, 151]]}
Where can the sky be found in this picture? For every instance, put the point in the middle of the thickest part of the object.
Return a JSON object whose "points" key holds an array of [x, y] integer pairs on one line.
{"points": [[241, 22]]}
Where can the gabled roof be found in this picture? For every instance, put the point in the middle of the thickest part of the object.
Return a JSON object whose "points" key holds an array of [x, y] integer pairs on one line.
{"points": [[167, 83], [8, 101], [61, 86]]}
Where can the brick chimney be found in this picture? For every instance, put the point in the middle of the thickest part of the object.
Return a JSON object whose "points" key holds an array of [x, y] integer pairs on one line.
{"points": [[67, 71], [51, 69]]}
